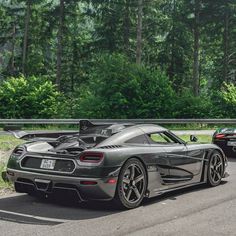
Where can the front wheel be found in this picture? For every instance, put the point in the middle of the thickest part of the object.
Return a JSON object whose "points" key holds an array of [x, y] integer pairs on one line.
{"points": [[215, 169], [132, 184]]}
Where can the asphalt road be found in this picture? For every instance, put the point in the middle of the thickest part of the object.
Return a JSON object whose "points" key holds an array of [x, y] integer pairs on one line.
{"points": [[194, 211]]}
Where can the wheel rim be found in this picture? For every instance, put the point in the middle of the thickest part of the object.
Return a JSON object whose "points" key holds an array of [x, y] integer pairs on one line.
{"points": [[216, 168], [133, 183]]}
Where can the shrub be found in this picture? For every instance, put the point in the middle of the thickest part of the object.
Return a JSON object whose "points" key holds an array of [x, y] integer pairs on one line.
{"points": [[189, 107], [28, 98], [226, 100], [120, 89]]}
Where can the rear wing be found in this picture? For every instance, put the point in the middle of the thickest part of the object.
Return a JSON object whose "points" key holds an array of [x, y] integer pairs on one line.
{"points": [[103, 129], [85, 128], [41, 134]]}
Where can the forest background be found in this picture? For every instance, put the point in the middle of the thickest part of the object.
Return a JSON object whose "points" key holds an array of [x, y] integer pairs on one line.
{"points": [[117, 59]]}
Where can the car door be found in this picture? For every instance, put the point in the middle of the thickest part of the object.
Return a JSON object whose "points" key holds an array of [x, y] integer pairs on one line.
{"points": [[154, 155], [172, 149], [185, 162], [182, 168]]}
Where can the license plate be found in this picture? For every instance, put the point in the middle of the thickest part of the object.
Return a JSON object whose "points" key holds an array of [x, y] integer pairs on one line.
{"points": [[48, 164], [231, 143]]}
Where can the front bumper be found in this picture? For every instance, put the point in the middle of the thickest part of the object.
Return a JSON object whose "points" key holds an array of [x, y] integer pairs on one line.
{"points": [[28, 182]]}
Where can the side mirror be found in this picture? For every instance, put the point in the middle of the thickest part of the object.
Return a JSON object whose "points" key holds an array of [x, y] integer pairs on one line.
{"points": [[193, 138]]}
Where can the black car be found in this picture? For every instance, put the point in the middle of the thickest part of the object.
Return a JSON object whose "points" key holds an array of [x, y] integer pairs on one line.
{"points": [[119, 162], [225, 138]]}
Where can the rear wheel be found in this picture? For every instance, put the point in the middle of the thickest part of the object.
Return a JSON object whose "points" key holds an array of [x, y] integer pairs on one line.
{"points": [[215, 169], [132, 184]]}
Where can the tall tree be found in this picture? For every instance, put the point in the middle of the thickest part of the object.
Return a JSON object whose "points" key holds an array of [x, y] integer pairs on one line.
{"points": [[126, 26], [26, 35], [196, 32], [60, 42], [187, 39], [226, 41], [139, 32], [173, 43]]}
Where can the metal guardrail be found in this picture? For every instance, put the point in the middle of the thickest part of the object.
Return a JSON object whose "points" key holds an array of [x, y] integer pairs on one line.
{"points": [[152, 121]]}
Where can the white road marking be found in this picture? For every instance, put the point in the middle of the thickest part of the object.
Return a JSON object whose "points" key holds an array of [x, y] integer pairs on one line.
{"points": [[35, 217]]}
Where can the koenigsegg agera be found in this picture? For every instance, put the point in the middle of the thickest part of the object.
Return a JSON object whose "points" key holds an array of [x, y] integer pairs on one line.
{"points": [[120, 162]]}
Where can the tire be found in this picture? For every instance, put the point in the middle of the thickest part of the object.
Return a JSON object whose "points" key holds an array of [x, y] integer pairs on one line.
{"points": [[215, 169], [132, 185]]}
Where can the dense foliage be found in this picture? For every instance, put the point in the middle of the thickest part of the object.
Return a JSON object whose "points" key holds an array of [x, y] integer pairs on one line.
{"points": [[29, 98], [117, 58], [118, 88], [227, 98]]}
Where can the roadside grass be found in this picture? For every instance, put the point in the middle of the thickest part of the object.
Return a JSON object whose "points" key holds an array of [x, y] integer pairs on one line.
{"points": [[7, 186], [194, 126], [201, 138], [8, 142], [43, 127]]}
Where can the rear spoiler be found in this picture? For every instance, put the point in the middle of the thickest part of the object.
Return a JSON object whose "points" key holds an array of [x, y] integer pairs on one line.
{"points": [[85, 128], [41, 134], [103, 129]]}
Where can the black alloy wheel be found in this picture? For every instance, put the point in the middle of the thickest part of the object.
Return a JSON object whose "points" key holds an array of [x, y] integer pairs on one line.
{"points": [[215, 169], [132, 184]]}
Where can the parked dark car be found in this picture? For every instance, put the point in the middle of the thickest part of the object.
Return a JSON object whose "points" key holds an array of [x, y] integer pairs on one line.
{"points": [[119, 162], [225, 138]]}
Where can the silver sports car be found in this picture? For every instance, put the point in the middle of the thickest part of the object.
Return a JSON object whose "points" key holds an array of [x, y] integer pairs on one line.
{"points": [[120, 162]]}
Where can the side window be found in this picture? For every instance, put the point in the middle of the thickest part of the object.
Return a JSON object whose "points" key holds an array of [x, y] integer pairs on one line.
{"points": [[161, 138], [141, 139]]}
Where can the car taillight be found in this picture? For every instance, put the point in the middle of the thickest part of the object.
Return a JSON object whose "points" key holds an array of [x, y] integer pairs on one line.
{"points": [[91, 158], [18, 152], [219, 136]]}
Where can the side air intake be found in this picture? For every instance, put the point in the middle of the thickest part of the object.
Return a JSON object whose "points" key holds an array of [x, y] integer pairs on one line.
{"points": [[110, 147]]}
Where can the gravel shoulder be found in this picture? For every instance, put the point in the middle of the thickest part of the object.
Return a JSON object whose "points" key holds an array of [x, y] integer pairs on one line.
{"points": [[4, 155], [5, 188]]}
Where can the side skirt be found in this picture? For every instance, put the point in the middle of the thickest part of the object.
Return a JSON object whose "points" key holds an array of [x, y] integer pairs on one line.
{"points": [[160, 192]]}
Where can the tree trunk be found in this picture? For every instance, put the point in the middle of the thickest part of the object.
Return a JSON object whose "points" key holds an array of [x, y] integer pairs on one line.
{"points": [[196, 78], [139, 32], [26, 35], [12, 65], [74, 65], [226, 43], [59, 43], [127, 27], [173, 46]]}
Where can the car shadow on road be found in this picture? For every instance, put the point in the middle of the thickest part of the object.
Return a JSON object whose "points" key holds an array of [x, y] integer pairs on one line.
{"points": [[176, 193], [26, 209], [13, 208]]}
